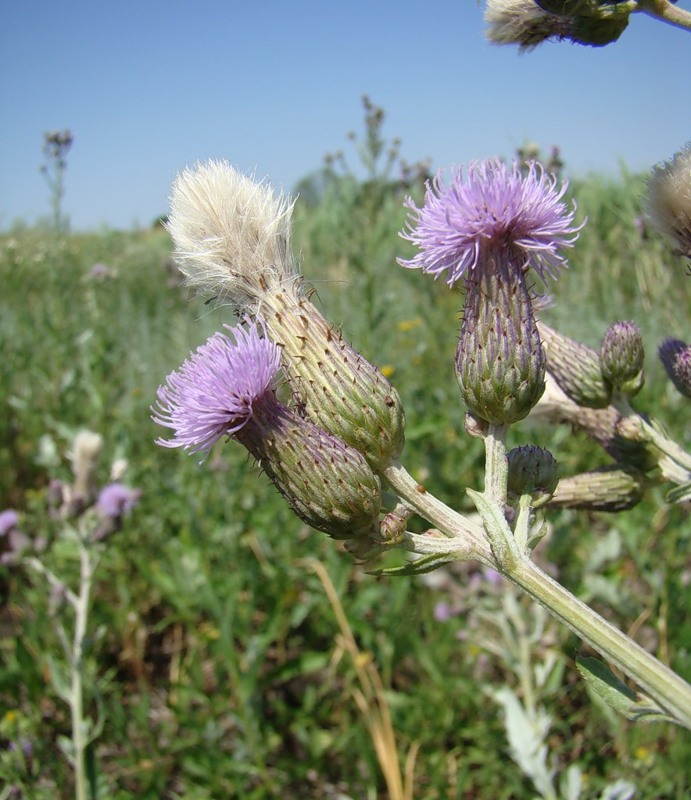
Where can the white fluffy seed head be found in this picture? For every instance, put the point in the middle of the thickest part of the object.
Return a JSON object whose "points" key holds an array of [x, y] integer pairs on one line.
{"points": [[231, 234], [521, 22], [669, 198], [86, 449]]}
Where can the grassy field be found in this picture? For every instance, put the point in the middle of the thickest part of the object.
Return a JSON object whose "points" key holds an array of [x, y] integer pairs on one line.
{"points": [[217, 665]]}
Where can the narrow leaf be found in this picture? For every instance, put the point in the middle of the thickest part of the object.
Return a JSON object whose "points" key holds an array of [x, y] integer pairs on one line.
{"points": [[604, 684]]}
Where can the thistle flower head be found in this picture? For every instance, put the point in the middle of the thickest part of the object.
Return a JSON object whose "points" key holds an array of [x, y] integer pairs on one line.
{"points": [[676, 359], [213, 392], [528, 23], [532, 470], [9, 519], [621, 357], [494, 207], [115, 500], [522, 22], [86, 450], [669, 199], [231, 234], [227, 388]]}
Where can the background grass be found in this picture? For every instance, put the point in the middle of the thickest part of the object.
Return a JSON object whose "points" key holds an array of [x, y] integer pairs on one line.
{"points": [[216, 660]]}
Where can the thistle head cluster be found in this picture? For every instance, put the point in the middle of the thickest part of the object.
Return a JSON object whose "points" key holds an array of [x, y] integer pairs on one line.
{"points": [[588, 377], [232, 238]]}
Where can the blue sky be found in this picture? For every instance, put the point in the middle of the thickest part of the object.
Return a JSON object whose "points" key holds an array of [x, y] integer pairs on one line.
{"points": [[149, 87]]}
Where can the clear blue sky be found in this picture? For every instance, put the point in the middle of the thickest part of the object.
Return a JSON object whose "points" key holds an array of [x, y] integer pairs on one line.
{"points": [[149, 87]]}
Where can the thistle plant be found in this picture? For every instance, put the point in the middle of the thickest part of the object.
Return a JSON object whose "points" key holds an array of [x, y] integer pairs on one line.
{"points": [[56, 146], [330, 434], [84, 516]]}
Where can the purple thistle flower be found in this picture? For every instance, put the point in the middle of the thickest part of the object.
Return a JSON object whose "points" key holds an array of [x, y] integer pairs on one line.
{"points": [[495, 207], [115, 500], [8, 521], [213, 392]]}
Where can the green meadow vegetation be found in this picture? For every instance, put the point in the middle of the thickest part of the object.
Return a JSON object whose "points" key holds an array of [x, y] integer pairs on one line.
{"points": [[234, 653]]}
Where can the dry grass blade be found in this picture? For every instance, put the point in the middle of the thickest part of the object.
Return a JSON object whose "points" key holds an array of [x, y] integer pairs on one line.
{"points": [[371, 700]]}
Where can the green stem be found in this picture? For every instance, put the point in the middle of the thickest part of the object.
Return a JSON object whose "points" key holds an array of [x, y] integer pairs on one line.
{"points": [[496, 465], [440, 515], [667, 12], [667, 688], [79, 740]]}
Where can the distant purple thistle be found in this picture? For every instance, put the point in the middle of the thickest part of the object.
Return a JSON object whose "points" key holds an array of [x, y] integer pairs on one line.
{"points": [[494, 208], [213, 392], [115, 500], [8, 521]]}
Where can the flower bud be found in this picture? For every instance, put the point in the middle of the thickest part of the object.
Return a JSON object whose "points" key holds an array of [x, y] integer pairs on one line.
{"points": [[576, 369], [621, 357], [676, 359], [499, 360], [532, 471], [327, 483], [611, 488], [336, 387]]}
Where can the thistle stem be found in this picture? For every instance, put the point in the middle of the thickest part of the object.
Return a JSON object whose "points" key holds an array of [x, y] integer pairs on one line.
{"points": [[449, 522], [667, 12], [79, 740], [670, 448], [667, 688], [496, 465]]}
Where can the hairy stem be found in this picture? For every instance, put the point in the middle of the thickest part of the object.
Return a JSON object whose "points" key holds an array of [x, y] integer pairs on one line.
{"points": [[667, 12], [667, 688]]}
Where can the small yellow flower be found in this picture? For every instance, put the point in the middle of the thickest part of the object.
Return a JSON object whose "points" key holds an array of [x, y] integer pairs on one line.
{"points": [[641, 753], [10, 717], [388, 370], [209, 631], [409, 324]]}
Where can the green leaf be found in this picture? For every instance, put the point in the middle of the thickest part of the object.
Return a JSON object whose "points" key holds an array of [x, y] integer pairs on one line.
{"points": [[605, 685], [60, 678], [418, 567]]}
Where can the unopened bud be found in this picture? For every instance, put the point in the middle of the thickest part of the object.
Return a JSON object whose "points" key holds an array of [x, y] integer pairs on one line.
{"points": [[532, 471], [576, 369], [608, 489], [621, 357], [676, 359]]}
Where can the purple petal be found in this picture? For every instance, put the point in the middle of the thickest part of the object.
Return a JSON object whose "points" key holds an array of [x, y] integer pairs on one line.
{"points": [[212, 394]]}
